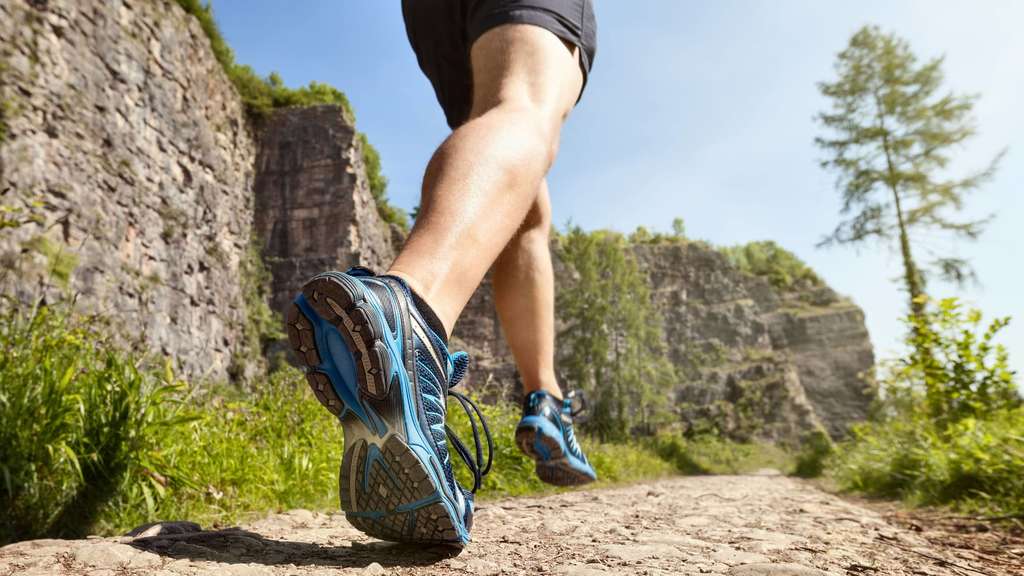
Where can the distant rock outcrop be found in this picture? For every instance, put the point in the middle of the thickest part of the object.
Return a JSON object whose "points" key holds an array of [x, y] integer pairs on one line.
{"points": [[757, 361]]}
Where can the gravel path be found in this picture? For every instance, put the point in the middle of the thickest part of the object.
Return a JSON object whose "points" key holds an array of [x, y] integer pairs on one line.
{"points": [[759, 525]]}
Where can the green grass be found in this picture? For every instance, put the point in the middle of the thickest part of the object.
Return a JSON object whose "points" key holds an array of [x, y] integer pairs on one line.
{"points": [[240, 456], [78, 416], [714, 455]]}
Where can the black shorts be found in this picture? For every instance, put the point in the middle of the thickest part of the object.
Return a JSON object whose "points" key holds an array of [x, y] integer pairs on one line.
{"points": [[442, 31]]}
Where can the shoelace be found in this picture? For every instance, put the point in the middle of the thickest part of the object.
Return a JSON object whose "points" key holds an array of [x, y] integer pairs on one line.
{"points": [[575, 403], [478, 466]]}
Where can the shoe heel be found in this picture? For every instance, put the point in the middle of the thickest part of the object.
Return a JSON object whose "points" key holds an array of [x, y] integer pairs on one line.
{"points": [[344, 303], [537, 445], [303, 342]]}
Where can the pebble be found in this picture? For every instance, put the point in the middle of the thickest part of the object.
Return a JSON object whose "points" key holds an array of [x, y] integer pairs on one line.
{"points": [[164, 529]]}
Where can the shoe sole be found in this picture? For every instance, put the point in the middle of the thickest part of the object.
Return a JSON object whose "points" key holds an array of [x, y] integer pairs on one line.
{"points": [[390, 483], [552, 462]]}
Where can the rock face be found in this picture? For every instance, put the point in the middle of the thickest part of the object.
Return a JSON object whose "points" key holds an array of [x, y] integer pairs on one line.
{"points": [[124, 129], [753, 360], [314, 211], [766, 362]]}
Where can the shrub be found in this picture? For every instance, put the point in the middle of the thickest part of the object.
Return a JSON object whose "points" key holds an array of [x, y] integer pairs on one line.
{"points": [[951, 426], [769, 260], [379, 186], [957, 366], [812, 457]]}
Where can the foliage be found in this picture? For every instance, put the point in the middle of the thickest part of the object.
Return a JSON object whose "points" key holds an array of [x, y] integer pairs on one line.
{"points": [[274, 449], [642, 235], [18, 216], [262, 326], [891, 136], [951, 429], [80, 419], [959, 368], [976, 465], [612, 341], [767, 259], [262, 95], [815, 450], [379, 186]]}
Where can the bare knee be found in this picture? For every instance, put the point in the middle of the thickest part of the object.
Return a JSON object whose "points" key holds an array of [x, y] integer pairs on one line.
{"points": [[540, 133], [529, 78]]}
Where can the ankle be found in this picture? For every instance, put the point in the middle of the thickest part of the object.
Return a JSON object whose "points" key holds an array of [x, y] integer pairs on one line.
{"points": [[434, 320], [549, 385]]}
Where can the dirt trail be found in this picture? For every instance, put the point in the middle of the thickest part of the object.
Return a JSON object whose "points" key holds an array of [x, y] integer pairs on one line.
{"points": [[759, 525]]}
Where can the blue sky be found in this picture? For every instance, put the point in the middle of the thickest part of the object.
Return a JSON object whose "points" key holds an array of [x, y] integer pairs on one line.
{"points": [[702, 110]]}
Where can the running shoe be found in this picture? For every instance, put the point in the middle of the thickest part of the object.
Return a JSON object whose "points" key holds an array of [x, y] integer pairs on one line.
{"points": [[545, 433], [373, 361]]}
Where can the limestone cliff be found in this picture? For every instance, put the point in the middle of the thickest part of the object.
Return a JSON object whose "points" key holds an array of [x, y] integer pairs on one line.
{"points": [[754, 360], [314, 211], [131, 146]]}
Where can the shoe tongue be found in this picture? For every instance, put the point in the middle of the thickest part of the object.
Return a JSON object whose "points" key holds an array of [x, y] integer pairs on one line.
{"points": [[460, 363]]}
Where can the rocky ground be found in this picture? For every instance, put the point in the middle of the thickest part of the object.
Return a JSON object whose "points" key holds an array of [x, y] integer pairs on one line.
{"points": [[759, 525]]}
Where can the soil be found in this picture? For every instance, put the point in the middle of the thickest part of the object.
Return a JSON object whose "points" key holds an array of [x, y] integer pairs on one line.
{"points": [[757, 525]]}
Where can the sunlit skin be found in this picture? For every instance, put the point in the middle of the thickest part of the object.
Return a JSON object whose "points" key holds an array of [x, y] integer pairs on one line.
{"points": [[485, 201]]}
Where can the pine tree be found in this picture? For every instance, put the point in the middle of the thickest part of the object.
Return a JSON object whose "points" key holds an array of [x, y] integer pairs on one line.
{"points": [[891, 137]]}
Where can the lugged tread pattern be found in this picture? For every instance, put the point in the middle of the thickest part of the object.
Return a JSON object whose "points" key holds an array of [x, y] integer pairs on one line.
{"points": [[555, 468], [336, 300], [394, 479]]}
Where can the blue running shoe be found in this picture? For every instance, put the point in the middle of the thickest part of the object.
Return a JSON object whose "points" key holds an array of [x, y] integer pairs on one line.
{"points": [[545, 434], [372, 361]]}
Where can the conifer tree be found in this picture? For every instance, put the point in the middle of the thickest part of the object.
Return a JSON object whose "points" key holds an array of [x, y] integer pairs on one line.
{"points": [[891, 132]]}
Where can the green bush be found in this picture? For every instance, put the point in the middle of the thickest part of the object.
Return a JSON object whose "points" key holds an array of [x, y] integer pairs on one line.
{"points": [[78, 418], [951, 427], [812, 458], [769, 260], [379, 186]]}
